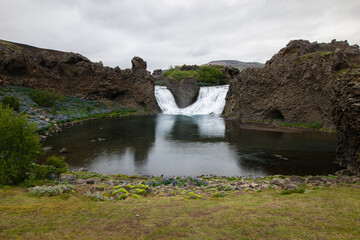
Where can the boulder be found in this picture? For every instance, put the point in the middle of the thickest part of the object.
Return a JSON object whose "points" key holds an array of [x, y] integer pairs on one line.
{"points": [[185, 91]]}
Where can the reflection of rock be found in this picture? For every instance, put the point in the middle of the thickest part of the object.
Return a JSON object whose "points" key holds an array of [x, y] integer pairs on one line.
{"points": [[257, 150], [185, 91], [197, 129]]}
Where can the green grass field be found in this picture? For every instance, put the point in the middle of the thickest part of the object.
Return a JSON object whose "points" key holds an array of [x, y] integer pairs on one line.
{"points": [[323, 213]]}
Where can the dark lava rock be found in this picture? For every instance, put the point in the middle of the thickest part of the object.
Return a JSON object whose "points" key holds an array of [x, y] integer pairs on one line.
{"points": [[90, 181], [185, 91], [157, 72], [73, 74], [295, 85], [346, 113], [306, 83]]}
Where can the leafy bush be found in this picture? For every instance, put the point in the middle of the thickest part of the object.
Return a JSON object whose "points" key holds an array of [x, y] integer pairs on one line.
{"points": [[122, 197], [219, 194], [204, 74], [43, 171], [226, 187], [19, 145], [59, 164], [49, 191], [140, 191], [44, 98], [177, 74], [12, 102], [211, 74]]}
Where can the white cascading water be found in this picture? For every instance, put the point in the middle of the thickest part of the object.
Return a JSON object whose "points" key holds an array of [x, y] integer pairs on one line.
{"points": [[211, 100]]}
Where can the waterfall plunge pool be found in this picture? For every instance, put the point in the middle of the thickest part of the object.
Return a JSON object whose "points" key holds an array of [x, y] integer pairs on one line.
{"points": [[178, 145]]}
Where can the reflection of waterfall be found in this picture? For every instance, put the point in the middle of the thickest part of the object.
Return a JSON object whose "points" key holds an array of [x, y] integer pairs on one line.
{"points": [[211, 100]]}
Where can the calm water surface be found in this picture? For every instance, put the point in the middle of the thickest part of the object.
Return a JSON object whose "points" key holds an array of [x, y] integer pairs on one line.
{"points": [[192, 145]]}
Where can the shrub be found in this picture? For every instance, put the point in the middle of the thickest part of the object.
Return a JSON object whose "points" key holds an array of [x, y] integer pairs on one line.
{"points": [[50, 190], [42, 171], [177, 74], [219, 194], [44, 98], [136, 196], [122, 197], [211, 74], [140, 191], [58, 163], [19, 145], [97, 196], [12, 102], [204, 74]]}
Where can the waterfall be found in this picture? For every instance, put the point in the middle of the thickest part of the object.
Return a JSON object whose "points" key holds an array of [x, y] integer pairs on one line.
{"points": [[211, 100]]}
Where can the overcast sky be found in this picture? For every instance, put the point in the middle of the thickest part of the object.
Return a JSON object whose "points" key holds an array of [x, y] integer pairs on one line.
{"points": [[175, 32]]}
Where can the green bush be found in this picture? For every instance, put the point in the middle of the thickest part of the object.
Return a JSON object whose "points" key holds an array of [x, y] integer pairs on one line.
{"points": [[58, 163], [19, 145], [204, 74], [211, 74], [44, 98], [177, 74], [12, 102], [41, 172]]}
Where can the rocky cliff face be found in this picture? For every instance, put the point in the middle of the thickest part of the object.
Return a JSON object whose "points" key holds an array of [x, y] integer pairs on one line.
{"points": [[74, 74], [301, 84], [185, 91], [346, 113], [295, 85]]}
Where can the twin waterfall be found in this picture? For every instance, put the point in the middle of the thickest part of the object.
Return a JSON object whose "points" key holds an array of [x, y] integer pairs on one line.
{"points": [[211, 100]]}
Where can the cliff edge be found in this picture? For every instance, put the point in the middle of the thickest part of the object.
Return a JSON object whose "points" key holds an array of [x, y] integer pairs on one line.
{"points": [[73, 74], [305, 83]]}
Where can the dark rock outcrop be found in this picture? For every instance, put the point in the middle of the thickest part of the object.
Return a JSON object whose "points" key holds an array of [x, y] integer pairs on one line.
{"points": [[295, 85], [305, 83], [157, 72], [346, 113], [185, 91], [74, 74]]}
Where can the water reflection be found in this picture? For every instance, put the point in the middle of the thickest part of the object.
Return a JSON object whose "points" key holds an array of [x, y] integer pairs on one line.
{"points": [[192, 145]]}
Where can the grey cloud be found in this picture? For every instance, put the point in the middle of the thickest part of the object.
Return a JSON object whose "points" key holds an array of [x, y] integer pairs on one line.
{"points": [[170, 32]]}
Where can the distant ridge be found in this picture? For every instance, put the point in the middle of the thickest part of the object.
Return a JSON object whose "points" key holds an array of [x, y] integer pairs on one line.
{"points": [[238, 64]]}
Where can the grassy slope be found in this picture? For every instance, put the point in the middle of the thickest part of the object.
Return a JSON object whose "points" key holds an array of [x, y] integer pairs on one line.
{"points": [[320, 214]]}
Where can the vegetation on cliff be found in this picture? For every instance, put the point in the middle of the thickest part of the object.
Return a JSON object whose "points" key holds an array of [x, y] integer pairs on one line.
{"points": [[45, 108], [72, 74], [211, 74]]}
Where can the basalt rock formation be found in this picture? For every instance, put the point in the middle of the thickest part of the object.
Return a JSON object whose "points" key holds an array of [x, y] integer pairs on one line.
{"points": [[295, 85], [185, 91], [305, 83], [346, 113], [73, 74]]}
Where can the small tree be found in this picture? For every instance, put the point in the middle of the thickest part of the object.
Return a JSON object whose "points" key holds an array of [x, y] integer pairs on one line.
{"points": [[19, 145], [12, 102]]}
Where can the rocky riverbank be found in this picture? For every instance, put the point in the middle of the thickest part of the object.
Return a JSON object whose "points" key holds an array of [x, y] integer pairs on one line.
{"points": [[121, 187]]}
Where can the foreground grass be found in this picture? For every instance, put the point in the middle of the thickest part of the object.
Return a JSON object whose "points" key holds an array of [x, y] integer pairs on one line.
{"points": [[329, 213]]}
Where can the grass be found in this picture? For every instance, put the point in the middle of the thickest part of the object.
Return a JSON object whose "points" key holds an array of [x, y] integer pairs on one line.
{"points": [[320, 214]]}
